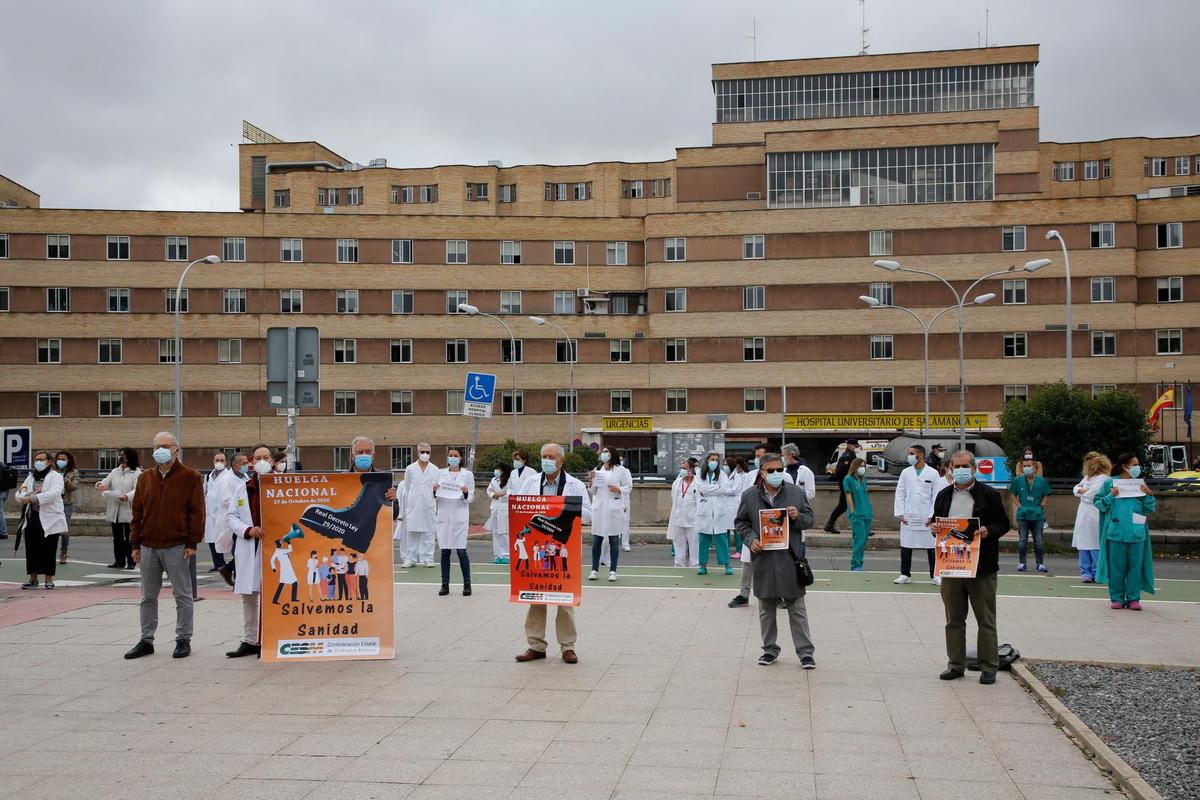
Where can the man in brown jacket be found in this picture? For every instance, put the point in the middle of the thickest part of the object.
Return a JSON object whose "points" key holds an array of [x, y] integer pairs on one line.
{"points": [[167, 525]]}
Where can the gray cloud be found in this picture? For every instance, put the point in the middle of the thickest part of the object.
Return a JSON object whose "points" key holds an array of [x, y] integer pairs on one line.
{"points": [[137, 104]]}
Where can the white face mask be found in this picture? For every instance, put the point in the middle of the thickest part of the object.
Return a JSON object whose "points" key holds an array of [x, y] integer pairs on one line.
{"points": [[281, 466], [604, 458], [218, 466], [263, 467], [424, 457]]}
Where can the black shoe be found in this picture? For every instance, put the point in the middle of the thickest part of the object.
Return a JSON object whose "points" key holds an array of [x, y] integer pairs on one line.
{"points": [[3, 535], [738, 602], [30, 584], [445, 590], [226, 573], [830, 529], [183, 649], [116, 565], [767, 659], [142, 648], [244, 649], [808, 662], [131, 565], [214, 568], [466, 590], [987, 678], [951, 675]]}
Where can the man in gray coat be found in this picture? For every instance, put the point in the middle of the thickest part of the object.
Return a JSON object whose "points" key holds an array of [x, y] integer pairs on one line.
{"points": [[775, 580]]}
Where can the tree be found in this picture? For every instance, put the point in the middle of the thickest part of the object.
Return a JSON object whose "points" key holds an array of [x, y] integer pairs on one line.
{"points": [[1060, 425], [577, 462]]}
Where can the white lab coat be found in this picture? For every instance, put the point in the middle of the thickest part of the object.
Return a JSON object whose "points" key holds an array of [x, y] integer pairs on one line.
{"points": [[399, 529], [497, 521], [1087, 518], [50, 504], [245, 551], [215, 487], [914, 499], [609, 508], [281, 560], [684, 506], [738, 483], [806, 480], [711, 502], [454, 513], [420, 512], [572, 487], [526, 481], [122, 480]]}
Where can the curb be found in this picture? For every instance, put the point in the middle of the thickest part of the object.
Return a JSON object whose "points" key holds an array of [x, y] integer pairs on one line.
{"points": [[1124, 776]]}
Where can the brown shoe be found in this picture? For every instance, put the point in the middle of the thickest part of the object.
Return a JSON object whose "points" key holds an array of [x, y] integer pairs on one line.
{"points": [[531, 655], [569, 657]]}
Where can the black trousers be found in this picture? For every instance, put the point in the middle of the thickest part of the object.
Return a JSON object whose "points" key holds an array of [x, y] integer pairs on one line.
{"points": [[279, 591], [122, 555], [838, 510], [363, 593], [906, 560]]}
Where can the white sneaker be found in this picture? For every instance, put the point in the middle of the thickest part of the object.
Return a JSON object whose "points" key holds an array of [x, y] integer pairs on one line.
{"points": [[428, 564], [937, 580], [626, 548], [903, 580], [592, 575], [405, 564], [612, 576]]}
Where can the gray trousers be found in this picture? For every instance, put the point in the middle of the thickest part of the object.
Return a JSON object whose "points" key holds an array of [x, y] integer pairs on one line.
{"points": [[797, 619], [747, 574], [250, 618], [155, 561]]}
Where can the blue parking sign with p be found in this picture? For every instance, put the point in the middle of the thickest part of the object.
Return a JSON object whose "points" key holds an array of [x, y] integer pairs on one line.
{"points": [[481, 388], [14, 447]]}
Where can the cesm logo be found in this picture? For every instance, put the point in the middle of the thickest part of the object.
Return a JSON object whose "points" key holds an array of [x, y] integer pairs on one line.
{"points": [[293, 649]]}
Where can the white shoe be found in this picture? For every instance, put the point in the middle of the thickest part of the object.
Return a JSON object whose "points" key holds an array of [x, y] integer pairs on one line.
{"points": [[937, 581], [612, 577], [592, 575], [406, 564], [626, 548], [903, 580], [428, 564]]}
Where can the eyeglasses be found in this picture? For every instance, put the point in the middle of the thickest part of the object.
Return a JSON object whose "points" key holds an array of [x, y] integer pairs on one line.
{"points": [[771, 470]]}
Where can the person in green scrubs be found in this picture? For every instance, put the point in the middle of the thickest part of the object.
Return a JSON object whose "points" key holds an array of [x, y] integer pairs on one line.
{"points": [[1126, 558], [858, 504], [1030, 491]]}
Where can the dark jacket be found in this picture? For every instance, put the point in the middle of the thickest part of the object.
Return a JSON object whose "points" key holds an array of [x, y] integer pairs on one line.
{"points": [[989, 509], [843, 466], [775, 570], [168, 512]]}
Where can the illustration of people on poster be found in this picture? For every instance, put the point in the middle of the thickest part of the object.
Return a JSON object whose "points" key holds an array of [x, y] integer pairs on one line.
{"points": [[956, 544], [335, 531], [773, 528], [545, 538]]}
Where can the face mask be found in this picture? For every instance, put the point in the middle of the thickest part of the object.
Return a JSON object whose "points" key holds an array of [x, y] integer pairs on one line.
{"points": [[912, 459], [963, 475], [1027, 470], [61, 464], [1135, 471], [754, 463], [776, 478], [218, 466], [725, 468], [861, 471], [683, 473], [497, 473], [162, 455], [244, 469], [364, 461], [263, 467], [281, 466], [40, 465], [518, 463], [549, 466], [712, 465], [424, 457], [452, 461], [605, 458]]}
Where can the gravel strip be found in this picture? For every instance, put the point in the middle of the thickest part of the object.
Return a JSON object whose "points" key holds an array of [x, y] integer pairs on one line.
{"points": [[1148, 716]]}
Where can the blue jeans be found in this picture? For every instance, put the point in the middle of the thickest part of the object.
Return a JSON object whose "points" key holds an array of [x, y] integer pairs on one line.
{"points": [[3, 521], [1087, 563], [1025, 527], [614, 551]]}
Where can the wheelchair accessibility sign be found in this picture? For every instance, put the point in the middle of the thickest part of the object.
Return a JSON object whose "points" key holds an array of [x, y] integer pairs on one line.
{"points": [[479, 395]]}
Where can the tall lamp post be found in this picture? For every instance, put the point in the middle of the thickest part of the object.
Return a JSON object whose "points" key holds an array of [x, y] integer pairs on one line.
{"points": [[574, 353], [179, 347], [925, 328], [1067, 267], [959, 301], [512, 354]]}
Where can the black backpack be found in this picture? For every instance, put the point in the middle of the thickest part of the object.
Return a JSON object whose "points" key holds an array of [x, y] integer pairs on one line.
{"points": [[8, 479], [1008, 654]]}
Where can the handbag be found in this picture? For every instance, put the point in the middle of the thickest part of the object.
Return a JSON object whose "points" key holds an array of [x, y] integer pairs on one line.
{"points": [[804, 573]]}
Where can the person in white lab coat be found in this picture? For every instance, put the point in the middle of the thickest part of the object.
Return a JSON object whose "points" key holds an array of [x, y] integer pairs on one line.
{"points": [[916, 489], [524, 478], [118, 488], [799, 471], [399, 530], [1086, 536], [739, 479], [214, 507], [611, 488], [497, 522], [42, 519], [454, 489], [242, 537], [712, 487], [681, 527], [420, 510], [744, 479]]}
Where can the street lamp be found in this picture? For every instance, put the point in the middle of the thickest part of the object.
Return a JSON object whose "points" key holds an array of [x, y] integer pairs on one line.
{"points": [[574, 353], [512, 356], [179, 348], [1067, 267], [874, 302], [960, 299]]}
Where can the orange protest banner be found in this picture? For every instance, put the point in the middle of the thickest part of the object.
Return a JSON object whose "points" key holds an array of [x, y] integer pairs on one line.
{"points": [[773, 528], [545, 542], [327, 567], [956, 542]]}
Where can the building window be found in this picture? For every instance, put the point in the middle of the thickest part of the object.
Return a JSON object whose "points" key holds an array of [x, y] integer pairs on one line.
{"points": [[564, 253], [660, 187], [754, 348], [477, 192], [347, 251], [454, 299], [234, 301], [58, 300], [1015, 292], [676, 249], [4, 299], [1106, 168], [49, 351], [106, 458], [58, 246], [883, 398], [880, 243], [1169, 342], [564, 302], [1170, 290], [1016, 392], [345, 351], [510, 302], [620, 401], [233, 248], [49, 404], [1015, 345], [1064, 170], [328, 197], [753, 246], [111, 404], [512, 351], [402, 403], [754, 298], [1100, 388], [676, 299], [118, 248], [428, 193], [166, 404], [754, 401], [291, 250], [229, 351], [1103, 234], [566, 401], [1091, 170], [1104, 343], [229, 404], [456, 251], [118, 301], [617, 254], [677, 401], [454, 402], [400, 456], [177, 248], [881, 292], [1183, 165], [170, 301], [881, 347], [168, 352], [402, 301], [1012, 238], [1154, 167], [401, 351], [341, 459], [1104, 290], [3, 245], [456, 351], [676, 351], [402, 251], [620, 351], [402, 194], [283, 198], [633, 189], [346, 301], [508, 193], [566, 351], [291, 301], [510, 401], [581, 191], [510, 252], [345, 404], [109, 351], [1170, 235]]}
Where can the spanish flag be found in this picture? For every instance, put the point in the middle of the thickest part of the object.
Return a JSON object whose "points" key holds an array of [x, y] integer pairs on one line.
{"points": [[1166, 400]]}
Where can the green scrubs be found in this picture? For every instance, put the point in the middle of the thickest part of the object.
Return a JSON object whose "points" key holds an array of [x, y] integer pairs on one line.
{"points": [[860, 518], [1126, 557]]}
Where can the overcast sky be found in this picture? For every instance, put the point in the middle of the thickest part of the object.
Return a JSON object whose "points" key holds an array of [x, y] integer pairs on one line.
{"points": [[138, 104]]}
